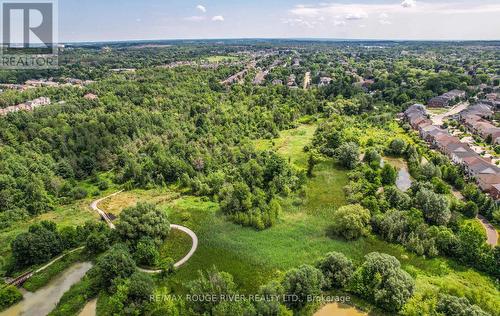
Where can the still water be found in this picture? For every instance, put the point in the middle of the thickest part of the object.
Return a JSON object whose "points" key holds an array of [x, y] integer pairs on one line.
{"points": [[45, 299], [404, 181]]}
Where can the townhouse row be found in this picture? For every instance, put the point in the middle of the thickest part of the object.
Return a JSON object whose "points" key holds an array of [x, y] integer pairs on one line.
{"points": [[486, 174]]}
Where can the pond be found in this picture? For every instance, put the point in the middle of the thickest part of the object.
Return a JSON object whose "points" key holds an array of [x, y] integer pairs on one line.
{"points": [[338, 309], [404, 181], [45, 299]]}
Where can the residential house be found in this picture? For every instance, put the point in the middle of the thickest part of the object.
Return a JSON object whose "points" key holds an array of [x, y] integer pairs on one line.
{"points": [[324, 81]]}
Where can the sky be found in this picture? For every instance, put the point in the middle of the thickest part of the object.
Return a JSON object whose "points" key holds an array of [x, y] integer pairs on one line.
{"points": [[119, 20]]}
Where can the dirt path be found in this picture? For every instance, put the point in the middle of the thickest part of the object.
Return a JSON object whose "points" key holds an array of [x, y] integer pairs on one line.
{"points": [[491, 232], [95, 206]]}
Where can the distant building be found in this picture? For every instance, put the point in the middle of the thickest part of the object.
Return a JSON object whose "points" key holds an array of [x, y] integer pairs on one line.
{"points": [[447, 99], [90, 96], [27, 106], [324, 81]]}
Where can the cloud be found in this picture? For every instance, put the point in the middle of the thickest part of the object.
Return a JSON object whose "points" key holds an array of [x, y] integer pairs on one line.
{"points": [[201, 8], [299, 22], [409, 3], [195, 18], [218, 18], [383, 16], [339, 23], [356, 15], [385, 22]]}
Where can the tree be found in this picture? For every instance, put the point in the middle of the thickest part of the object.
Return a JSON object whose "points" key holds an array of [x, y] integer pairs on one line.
{"points": [[450, 305], [146, 252], [435, 207], [470, 209], [313, 159], [372, 158], [131, 294], [143, 220], [381, 280], [388, 175], [348, 155], [235, 198], [396, 198], [472, 239], [337, 269], [351, 221], [213, 283], [115, 263], [69, 237], [397, 147], [271, 304], [97, 242], [304, 283], [141, 287], [38, 245]]}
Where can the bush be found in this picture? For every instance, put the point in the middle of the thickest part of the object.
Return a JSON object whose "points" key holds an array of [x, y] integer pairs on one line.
{"points": [[351, 222], [9, 295], [458, 306], [381, 280], [348, 155], [305, 282], [337, 269], [146, 252], [115, 263]]}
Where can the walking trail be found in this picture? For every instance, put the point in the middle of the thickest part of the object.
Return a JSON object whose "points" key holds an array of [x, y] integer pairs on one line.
{"points": [[95, 206]]}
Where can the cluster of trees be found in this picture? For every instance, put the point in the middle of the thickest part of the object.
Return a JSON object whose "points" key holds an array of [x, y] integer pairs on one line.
{"points": [[44, 240], [379, 279], [426, 219]]}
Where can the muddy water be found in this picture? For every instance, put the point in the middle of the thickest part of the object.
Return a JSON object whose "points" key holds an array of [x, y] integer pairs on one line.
{"points": [[45, 299], [338, 310]]}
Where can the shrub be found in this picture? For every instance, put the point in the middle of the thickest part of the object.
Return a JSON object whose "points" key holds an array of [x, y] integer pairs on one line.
{"points": [[351, 221], [337, 269]]}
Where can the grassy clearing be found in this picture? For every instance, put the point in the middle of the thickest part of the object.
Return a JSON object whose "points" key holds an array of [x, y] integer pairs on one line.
{"points": [[117, 203], [300, 237], [177, 245]]}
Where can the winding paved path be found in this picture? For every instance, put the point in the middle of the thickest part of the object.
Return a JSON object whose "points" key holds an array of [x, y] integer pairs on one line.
{"points": [[95, 206]]}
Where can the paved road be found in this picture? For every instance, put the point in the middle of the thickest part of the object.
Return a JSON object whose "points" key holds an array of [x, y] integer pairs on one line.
{"points": [[307, 80], [491, 232], [103, 214], [439, 119], [95, 206]]}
